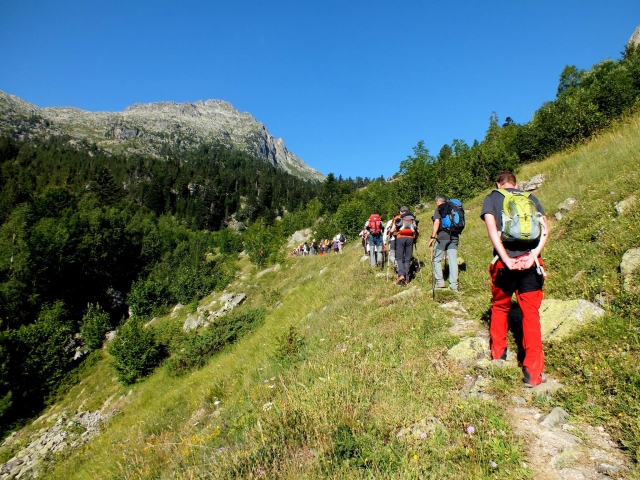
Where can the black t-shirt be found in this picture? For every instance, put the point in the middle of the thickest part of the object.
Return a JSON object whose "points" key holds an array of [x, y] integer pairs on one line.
{"points": [[443, 234], [492, 205]]}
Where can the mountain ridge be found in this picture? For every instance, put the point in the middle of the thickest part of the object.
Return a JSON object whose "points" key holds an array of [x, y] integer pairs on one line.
{"points": [[149, 128]]}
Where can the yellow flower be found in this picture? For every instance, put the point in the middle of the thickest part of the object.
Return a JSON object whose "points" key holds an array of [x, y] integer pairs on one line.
{"points": [[415, 457]]}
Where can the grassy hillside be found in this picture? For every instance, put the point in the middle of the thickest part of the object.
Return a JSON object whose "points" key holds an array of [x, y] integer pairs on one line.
{"points": [[342, 363]]}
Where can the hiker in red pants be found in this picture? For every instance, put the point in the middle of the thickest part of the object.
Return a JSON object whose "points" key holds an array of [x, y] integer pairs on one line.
{"points": [[518, 230]]}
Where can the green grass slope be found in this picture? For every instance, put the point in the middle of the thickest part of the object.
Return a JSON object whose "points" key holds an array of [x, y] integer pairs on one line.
{"points": [[341, 363]]}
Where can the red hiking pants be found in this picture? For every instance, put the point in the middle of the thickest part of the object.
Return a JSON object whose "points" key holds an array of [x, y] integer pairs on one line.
{"points": [[527, 285]]}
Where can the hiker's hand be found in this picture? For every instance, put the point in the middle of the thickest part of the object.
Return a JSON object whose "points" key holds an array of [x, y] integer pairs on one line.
{"points": [[431, 242], [511, 264], [528, 261]]}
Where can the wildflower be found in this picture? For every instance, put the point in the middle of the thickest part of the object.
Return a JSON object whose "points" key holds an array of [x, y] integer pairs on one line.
{"points": [[217, 402], [415, 457], [266, 380], [493, 464], [423, 435], [272, 378], [267, 406], [471, 430]]}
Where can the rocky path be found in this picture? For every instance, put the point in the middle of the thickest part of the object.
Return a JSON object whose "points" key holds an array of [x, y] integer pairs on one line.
{"points": [[556, 447]]}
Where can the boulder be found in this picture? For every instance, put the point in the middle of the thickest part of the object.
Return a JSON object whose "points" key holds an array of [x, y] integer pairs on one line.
{"points": [[299, 237], [568, 205], [561, 317], [557, 417], [625, 205], [469, 350], [630, 270], [533, 183], [176, 310], [193, 322]]}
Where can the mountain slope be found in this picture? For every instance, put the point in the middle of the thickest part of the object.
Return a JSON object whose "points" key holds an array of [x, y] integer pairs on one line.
{"points": [[366, 359], [154, 128]]}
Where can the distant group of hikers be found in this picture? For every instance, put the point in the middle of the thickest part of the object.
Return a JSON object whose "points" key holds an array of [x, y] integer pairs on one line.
{"points": [[518, 230], [320, 248]]}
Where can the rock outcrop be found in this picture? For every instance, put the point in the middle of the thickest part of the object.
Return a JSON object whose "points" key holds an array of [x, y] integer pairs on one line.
{"points": [[533, 183], [630, 270], [635, 38], [148, 128], [65, 433], [203, 317]]}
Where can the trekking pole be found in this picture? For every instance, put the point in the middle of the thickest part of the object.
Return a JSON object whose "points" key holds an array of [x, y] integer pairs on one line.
{"points": [[433, 277], [420, 265]]}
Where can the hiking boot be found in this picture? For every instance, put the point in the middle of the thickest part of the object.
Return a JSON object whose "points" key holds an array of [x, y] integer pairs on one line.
{"points": [[542, 379], [453, 289], [439, 287], [401, 280]]}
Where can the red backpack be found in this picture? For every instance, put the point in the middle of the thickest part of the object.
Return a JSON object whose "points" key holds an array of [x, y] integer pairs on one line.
{"points": [[375, 224]]}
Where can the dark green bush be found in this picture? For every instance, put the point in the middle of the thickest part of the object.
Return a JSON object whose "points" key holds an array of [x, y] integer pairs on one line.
{"points": [[135, 351], [95, 324], [196, 348]]}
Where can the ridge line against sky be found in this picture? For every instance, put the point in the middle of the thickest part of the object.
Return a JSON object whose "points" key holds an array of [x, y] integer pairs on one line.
{"points": [[350, 88]]}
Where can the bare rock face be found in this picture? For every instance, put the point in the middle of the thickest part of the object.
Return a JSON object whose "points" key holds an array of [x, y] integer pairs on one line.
{"points": [[635, 38], [147, 128], [533, 183]]}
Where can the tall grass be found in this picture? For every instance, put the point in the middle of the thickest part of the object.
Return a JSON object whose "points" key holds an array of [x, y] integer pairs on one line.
{"points": [[321, 389]]}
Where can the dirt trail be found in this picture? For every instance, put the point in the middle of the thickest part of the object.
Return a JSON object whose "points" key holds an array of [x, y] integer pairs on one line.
{"points": [[556, 446]]}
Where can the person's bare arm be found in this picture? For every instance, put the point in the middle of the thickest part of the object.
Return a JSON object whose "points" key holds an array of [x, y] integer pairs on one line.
{"points": [[496, 241], [434, 233], [528, 261]]}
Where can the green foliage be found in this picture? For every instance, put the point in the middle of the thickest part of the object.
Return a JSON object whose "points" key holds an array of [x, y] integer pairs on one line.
{"points": [[195, 349], [95, 324], [262, 243], [289, 347], [135, 351]]}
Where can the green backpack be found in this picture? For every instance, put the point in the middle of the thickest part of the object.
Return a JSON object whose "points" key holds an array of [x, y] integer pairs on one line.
{"points": [[521, 220]]}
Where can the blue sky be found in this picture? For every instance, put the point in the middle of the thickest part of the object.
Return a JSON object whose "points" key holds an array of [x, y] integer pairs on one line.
{"points": [[351, 86]]}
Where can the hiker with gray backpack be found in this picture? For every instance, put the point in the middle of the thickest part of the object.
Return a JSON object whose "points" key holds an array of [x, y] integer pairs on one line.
{"points": [[518, 230], [448, 223]]}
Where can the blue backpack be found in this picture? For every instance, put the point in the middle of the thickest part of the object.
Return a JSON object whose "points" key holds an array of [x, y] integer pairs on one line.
{"points": [[452, 215]]}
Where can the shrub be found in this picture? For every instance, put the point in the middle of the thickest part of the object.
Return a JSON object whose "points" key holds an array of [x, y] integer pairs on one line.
{"points": [[95, 324], [196, 349], [289, 347], [135, 351]]}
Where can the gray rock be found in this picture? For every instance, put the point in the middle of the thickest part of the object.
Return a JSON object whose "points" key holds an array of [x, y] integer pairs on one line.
{"points": [[625, 205], [151, 322], [518, 400], [109, 336], [559, 318], [469, 350], [533, 183], [635, 38], [630, 269], [558, 216], [176, 310], [299, 237], [364, 258], [324, 270], [568, 205], [193, 322], [557, 417]]}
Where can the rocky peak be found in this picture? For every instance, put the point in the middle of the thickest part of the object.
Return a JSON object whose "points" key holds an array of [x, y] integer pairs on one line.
{"points": [[147, 127], [635, 38]]}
